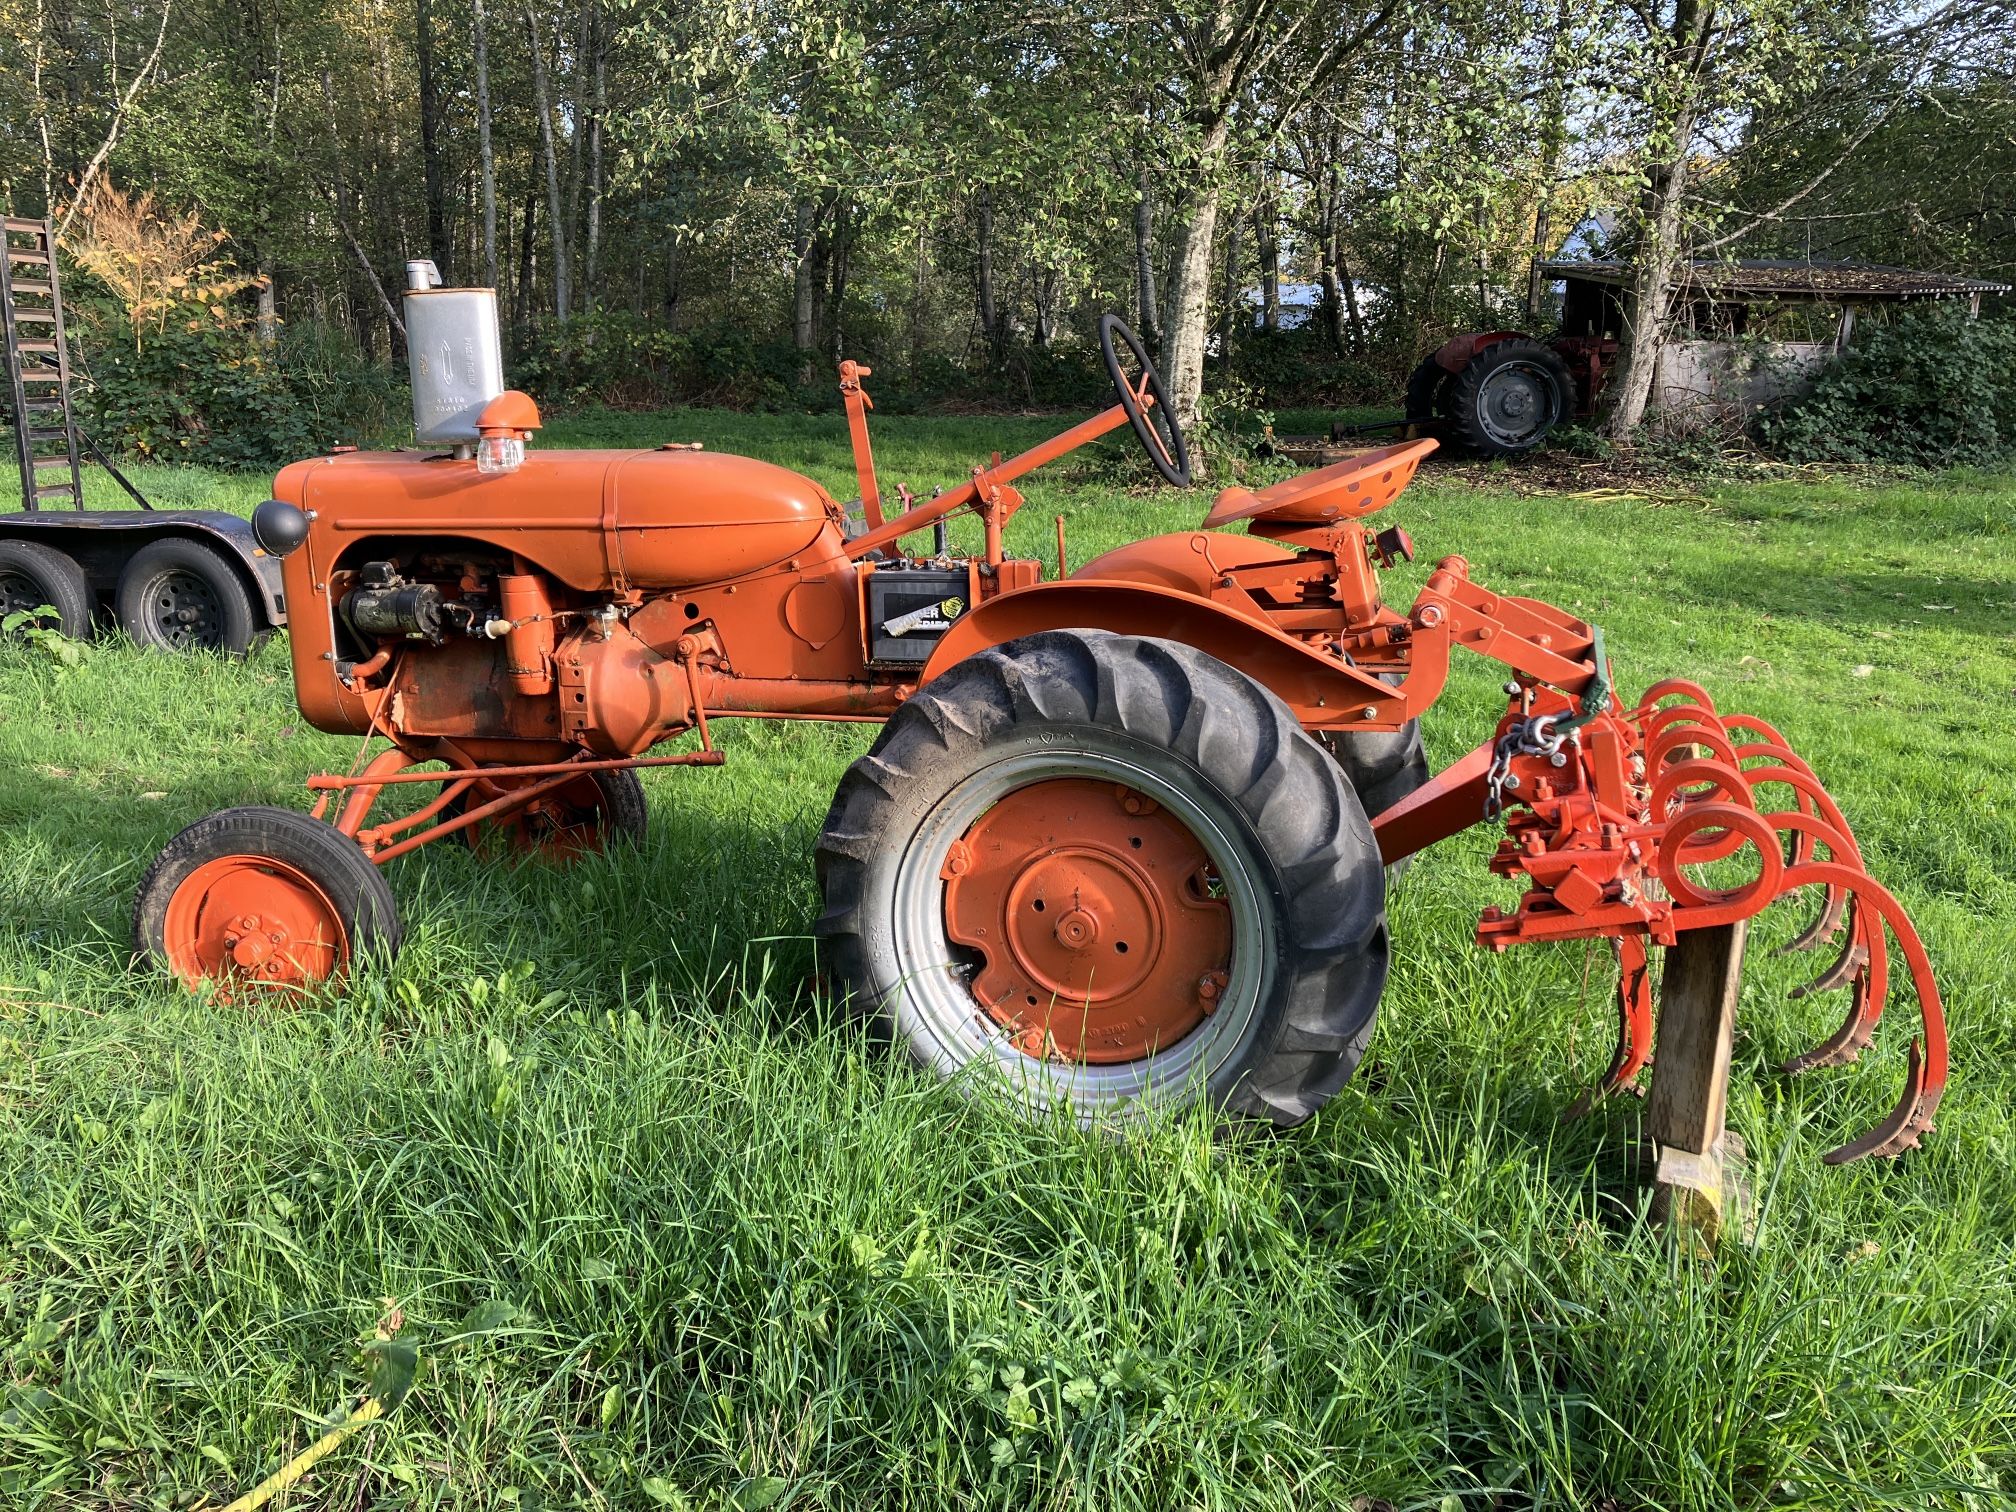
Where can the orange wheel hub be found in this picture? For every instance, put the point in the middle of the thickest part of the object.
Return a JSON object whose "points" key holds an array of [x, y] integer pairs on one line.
{"points": [[1100, 916], [254, 919]]}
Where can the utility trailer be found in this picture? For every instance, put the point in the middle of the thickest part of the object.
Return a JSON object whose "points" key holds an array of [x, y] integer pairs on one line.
{"points": [[173, 579]]}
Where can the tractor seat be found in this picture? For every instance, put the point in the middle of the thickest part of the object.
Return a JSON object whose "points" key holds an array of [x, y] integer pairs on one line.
{"points": [[1351, 489]]}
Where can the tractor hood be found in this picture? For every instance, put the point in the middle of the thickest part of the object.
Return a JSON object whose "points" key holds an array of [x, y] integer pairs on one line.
{"points": [[669, 518]]}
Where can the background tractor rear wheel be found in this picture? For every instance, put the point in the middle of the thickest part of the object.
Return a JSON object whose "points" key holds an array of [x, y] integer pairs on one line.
{"points": [[1508, 397], [263, 899], [1109, 873], [569, 822], [33, 575], [178, 595]]}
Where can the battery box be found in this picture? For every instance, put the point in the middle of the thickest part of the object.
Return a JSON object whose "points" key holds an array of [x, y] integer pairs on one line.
{"points": [[909, 610]]}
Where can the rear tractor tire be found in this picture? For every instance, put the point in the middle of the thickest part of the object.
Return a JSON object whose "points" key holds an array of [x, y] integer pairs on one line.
{"points": [[1508, 397], [1109, 874], [263, 900], [34, 576]]}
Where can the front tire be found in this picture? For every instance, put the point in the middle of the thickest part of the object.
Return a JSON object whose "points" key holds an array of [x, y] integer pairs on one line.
{"points": [[1108, 874], [582, 818], [260, 900]]}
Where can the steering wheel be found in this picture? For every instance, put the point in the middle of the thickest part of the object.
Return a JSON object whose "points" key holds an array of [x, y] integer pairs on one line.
{"points": [[1161, 437]]}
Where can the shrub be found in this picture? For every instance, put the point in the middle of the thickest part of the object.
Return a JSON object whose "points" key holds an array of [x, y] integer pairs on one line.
{"points": [[1932, 387]]}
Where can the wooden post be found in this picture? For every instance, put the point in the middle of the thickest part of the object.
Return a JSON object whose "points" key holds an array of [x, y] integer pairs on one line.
{"points": [[1698, 1189]]}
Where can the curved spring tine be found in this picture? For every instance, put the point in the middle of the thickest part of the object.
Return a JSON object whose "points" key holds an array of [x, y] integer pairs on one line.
{"points": [[1788, 770], [1925, 1079], [1870, 972], [1854, 952], [1826, 924], [1634, 1027], [1911, 1118]]}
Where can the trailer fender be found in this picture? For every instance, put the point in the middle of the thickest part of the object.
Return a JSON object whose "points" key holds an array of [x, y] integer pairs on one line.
{"points": [[1318, 690], [102, 541]]}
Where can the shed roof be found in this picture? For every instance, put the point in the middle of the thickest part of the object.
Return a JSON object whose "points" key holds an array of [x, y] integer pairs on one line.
{"points": [[1787, 278]]}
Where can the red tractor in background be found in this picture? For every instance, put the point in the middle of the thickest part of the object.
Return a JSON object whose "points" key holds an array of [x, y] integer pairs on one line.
{"points": [[1499, 393], [1121, 842]]}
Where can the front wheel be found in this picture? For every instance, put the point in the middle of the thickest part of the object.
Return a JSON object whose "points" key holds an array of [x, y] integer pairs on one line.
{"points": [[259, 900], [1109, 874]]}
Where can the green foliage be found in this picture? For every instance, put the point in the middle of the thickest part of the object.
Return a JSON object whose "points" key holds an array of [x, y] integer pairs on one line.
{"points": [[1932, 388], [637, 362], [630, 361], [206, 391], [36, 628], [1298, 369]]}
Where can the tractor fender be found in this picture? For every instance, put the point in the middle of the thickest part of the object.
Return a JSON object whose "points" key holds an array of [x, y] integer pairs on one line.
{"points": [[1457, 352], [103, 540], [1190, 560], [1317, 689]]}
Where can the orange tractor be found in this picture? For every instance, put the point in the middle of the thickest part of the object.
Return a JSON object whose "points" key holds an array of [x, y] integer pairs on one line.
{"points": [[1122, 839]]}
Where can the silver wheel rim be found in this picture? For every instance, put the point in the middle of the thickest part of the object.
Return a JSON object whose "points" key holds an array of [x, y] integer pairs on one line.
{"points": [[1518, 404], [964, 1040]]}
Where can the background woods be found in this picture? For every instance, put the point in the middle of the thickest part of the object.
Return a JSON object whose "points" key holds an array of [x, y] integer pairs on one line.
{"points": [[677, 202]]}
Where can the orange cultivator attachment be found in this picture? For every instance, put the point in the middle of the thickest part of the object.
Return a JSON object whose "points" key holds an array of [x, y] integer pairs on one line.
{"points": [[1616, 816]]}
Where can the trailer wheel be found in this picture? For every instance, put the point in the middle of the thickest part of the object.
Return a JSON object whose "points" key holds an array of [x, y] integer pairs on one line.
{"points": [[1109, 873], [582, 817], [179, 595], [263, 900], [1508, 397], [33, 576]]}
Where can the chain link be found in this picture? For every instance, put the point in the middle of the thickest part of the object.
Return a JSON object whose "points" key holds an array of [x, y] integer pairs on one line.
{"points": [[1530, 737]]}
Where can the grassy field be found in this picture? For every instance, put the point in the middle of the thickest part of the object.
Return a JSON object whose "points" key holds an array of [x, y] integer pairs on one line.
{"points": [[668, 1231]]}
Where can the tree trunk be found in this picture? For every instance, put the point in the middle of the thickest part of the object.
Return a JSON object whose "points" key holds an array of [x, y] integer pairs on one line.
{"points": [[1144, 262], [1660, 205], [1343, 275], [542, 105], [591, 277], [577, 114], [528, 267], [485, 156], [1189, 304], [845, 225], [802, 334], [992, 325], [439, 246], [1267, 235], [1652, 274], [1232, 313]]}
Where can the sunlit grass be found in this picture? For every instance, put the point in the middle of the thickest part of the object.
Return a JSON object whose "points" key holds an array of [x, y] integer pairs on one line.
{"points": [[664, 1225]]}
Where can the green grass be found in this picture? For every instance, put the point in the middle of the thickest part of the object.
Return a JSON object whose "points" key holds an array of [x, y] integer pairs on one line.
{"points": [[663, 1225]]}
